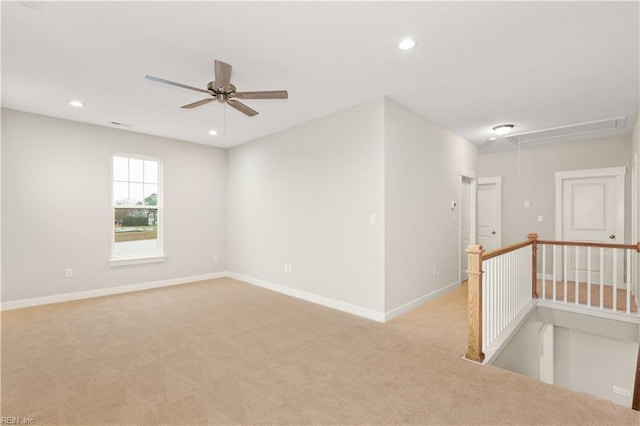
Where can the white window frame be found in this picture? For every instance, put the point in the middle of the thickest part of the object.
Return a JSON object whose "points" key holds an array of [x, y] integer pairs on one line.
{"points": [[138, 260]]}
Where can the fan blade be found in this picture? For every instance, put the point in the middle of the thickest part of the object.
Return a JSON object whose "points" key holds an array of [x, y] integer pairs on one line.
{"points": [[223, 75], [197, 104], [173, 83], [242, 108], [274, 94]]}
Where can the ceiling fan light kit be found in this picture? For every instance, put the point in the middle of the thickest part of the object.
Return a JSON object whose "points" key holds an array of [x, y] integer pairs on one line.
{"points": [[223, 91]]}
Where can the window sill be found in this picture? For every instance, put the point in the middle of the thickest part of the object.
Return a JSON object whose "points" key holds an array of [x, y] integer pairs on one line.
{"points": [[136, 260]]}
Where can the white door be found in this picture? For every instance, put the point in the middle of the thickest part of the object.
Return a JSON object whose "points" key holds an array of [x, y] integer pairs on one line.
{"points": [[489, 212], [465, 225], [592, 210]]}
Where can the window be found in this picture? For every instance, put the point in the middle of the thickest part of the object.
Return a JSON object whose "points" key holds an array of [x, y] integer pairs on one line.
{"points": [[137, 210]]}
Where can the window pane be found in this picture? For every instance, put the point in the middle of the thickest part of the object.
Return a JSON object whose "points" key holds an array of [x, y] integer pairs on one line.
{"points": [[136, 232], [135, 170], [135, 194], [120, 168], [136, 182], [120, 192], [150, 172], [150, 195]]}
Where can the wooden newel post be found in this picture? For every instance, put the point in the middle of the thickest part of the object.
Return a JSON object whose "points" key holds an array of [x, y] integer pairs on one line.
{"points": [[534, 264], [474, 304]]}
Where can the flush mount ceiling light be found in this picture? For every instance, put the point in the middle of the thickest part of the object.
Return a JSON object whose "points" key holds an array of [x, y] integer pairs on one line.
{"points": [[492, 139], [76, 103], [406, 44], [213, 132], [503, 129]]}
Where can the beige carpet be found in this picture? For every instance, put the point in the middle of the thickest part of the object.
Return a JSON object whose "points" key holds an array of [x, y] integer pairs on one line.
{"points": [[223, 351]]}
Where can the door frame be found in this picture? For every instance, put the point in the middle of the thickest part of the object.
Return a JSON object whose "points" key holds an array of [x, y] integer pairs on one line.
{"points": [[635, 218], [617, 172], [497, 181], [472, 176]]}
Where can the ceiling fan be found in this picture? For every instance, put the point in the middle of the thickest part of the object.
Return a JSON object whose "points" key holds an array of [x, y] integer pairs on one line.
{"points": [[223, 91]]}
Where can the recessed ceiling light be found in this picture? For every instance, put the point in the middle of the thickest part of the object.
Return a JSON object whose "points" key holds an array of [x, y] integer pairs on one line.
{"points": [[503, 129], [213, 132], [76, 104], [492, 139], [406, 44]]}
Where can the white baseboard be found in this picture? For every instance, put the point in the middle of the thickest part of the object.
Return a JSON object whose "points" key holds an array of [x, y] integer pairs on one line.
{"points": [[396, 312], [583, 309], [25, 303], [299, 294], [310, 297], [548, 277]]}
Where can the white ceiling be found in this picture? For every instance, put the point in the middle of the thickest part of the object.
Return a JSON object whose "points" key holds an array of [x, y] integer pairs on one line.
{"points": [[537, 65]]}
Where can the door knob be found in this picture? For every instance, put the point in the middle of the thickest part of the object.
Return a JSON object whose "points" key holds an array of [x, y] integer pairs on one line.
{"points": [[612, 237], [493, 232]]}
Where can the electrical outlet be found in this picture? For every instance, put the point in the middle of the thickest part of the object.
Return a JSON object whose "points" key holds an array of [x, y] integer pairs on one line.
{"points": [[68, 273], [215, 257], [526, 204], [540, 218], [621, 391], [372, 218]]}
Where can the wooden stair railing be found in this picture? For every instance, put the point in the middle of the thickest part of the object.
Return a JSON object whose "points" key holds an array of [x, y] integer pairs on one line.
{"points": [[476, 256], [474, 301]]}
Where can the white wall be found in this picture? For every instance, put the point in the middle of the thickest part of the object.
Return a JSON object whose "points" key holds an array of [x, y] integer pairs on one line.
{"points": [[536, 182], [590, 354], [593, 364], [635, 138], [522, 353], [56, 210], [635, 142], [422, 165], [303, 197]]}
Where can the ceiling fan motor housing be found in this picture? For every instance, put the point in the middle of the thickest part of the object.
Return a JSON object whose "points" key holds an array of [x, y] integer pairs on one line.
{"points": [[220, 94]]}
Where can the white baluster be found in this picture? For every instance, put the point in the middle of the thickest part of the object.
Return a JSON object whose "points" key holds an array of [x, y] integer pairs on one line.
{"points": [[554, 273], [503, 296], [614, 285], [576, 281], [628, 283], [510, 283], [544, 271], [601, 277], [496, 301], [565, 263], [589, 277], [485, 304]]}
